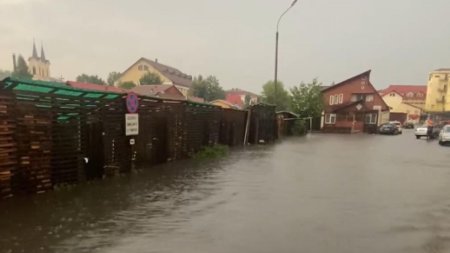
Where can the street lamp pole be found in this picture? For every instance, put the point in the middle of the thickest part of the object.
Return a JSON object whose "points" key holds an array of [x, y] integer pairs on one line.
{"points": [[276, 48]]}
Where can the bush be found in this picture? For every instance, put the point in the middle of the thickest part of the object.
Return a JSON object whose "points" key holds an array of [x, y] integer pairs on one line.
{"points": [[211, 152], [299, 128]]}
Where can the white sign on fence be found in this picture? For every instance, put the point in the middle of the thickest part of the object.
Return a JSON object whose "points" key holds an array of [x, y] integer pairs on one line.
{"points": [[131, 124]]}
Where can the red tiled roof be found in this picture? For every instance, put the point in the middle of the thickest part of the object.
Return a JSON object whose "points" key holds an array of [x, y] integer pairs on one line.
{"points": [[403, 90], [96, 87]]}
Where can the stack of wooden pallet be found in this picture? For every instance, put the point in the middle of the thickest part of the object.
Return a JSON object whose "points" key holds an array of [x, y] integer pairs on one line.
{"points": [[8, 146]]}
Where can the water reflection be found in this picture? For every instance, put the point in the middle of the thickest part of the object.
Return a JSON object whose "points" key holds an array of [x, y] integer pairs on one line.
{"points": [[323, 193]]}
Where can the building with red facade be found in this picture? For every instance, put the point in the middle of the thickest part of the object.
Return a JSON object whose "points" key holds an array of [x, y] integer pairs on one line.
{"points": [[353, 106]]}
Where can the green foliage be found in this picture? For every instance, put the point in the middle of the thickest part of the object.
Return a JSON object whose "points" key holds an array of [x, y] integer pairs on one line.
{"points": [[208, 89], [211, 152], [299, 128], [150, 78], [4, 74], [127, 85], [306, 99], [113, 77], [275, 95], [90, 79], [21, 69]]}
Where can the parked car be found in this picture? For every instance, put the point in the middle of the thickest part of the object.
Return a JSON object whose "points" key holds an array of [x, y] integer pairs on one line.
{"points": [[388, 128], [398, 125], [444, 135], [408, 125], [422, 131]]}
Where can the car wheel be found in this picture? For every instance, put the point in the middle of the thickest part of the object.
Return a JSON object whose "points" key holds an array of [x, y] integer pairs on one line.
{"points": [[417, 137], [441, 143]]}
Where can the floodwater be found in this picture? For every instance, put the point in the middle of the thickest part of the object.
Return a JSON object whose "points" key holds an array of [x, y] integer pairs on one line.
{"points": [[322, 193]]}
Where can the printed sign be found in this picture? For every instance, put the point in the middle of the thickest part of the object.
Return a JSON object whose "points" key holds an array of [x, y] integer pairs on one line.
{"points": [[131, 124], [132, 102]]}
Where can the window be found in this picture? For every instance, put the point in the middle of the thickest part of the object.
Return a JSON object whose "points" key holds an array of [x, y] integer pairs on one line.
{"points": [[34, 70], [336, 99], [330, 118], [369, 98], [145, 67], [371, 118], [140, 67], [410, 94], [357, 97]]}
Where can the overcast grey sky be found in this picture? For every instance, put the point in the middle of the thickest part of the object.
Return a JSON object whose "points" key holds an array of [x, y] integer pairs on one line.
{"points": [[400, 40]]}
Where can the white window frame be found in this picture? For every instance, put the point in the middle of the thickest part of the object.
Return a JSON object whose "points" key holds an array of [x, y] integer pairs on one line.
{"points": [[330, 118], [373, 118], [341, 98], [369, 98], [331, 99]]}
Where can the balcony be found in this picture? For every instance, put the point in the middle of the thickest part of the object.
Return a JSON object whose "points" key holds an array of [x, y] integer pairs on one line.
{"points": [[442, 89], [440, 100]]}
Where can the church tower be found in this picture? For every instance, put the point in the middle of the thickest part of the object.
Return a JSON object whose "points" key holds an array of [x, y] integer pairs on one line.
{"points": [[39, 66]]}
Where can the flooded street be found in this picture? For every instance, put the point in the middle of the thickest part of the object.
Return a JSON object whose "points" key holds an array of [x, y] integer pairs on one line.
{"points": [[322, 193]]}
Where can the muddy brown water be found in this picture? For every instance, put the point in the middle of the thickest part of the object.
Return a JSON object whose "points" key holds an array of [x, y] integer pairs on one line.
{"points": [[322, 193]]}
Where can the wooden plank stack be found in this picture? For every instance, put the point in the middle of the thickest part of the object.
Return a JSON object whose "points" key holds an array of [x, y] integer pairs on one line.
{"points": [[8, 145]]}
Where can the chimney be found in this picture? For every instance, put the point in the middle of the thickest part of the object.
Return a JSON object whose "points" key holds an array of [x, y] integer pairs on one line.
{"points": [[156, 60], [14, 63]]}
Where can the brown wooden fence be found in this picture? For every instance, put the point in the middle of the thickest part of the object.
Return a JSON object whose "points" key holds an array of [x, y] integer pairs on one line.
{"points": [[52, 134]]}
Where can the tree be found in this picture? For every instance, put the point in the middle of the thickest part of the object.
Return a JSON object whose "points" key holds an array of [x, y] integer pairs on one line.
{"points": [[208, 89], [4, 74], [307, 100], [113, 77], [21, 70], [278, 97], [127, 85], [90, 79], [150, 78]]}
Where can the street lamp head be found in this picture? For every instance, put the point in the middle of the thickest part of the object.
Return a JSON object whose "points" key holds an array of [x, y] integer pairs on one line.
{"points": [[293, 3]]}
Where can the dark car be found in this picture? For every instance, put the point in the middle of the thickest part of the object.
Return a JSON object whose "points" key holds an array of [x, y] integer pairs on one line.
{"points": [[388, 129], [408, 125]]}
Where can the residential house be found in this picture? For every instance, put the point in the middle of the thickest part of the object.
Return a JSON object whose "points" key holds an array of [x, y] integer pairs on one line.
{"points": [[438, 93], [169, 75], [237, 97], [353, 106], [406, 102]]}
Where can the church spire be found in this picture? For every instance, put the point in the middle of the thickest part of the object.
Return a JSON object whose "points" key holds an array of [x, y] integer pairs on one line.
{"points": [[35, 55], [42, 52]]}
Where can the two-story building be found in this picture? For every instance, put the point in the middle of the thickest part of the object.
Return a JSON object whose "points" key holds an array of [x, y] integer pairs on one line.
{"points": [[240, 97], [353, 106], [405, 101]]}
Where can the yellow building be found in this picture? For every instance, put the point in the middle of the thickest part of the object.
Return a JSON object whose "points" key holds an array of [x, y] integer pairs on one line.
{"points": [[39, 66], [438, 93], [168, 75], [398, 104]]}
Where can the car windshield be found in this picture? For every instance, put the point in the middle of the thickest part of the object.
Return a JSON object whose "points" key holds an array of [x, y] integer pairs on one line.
{"points": [[447, 129]]}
